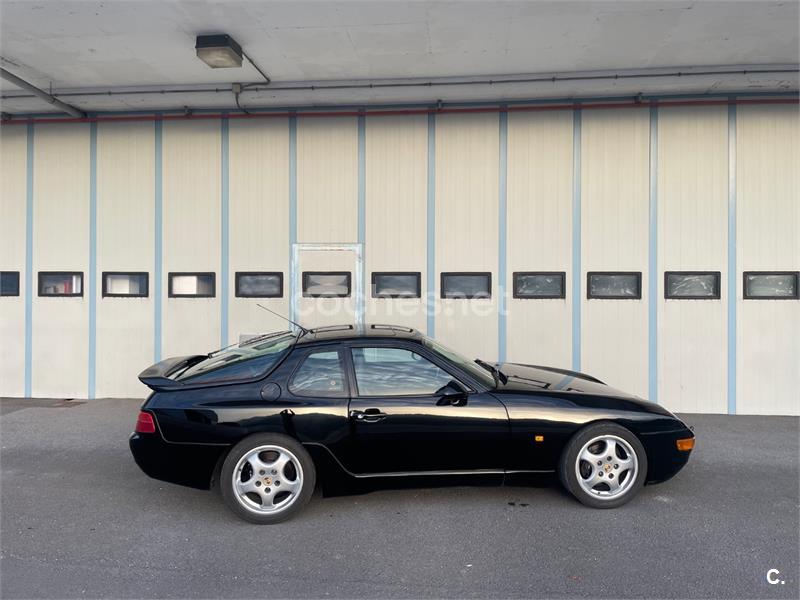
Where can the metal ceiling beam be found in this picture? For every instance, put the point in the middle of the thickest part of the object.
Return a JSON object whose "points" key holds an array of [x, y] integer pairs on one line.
{"points": [[660, 73], [21, 83], [488, 107]]}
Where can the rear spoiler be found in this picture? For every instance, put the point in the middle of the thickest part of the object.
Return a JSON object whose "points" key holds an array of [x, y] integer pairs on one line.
{"points": [[156, 377]]}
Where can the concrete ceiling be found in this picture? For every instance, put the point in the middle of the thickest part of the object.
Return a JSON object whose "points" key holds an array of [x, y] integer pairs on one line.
{"points": [[81, 48]]}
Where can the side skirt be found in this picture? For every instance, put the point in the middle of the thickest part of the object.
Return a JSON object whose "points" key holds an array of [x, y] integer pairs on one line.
{"points": [[422, 473]]}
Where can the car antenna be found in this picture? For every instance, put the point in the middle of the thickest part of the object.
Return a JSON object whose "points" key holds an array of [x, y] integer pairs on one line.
{"points": [[300, 327]]}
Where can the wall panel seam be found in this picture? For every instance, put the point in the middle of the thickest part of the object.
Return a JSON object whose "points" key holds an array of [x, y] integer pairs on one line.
{"points": [[732, 274], [431, 227], [362, 213], [224, 268], [158, 272], [502, 275], [292, 215], [652, 267], [92, 367], [29, 261], [576, 239]]}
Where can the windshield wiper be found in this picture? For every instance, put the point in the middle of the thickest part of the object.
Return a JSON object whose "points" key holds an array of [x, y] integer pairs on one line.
{"points": [[497, 374]]}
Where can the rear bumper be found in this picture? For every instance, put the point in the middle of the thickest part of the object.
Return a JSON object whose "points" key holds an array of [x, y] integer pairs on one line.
{"points": [[191, 465], [664, 459]]}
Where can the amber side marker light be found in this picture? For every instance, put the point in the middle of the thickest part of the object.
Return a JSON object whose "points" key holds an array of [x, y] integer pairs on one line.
{"points": [[685, 445], [145, 423]]}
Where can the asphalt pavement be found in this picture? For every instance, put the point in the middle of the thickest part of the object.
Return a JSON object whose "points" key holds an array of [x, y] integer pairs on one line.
{"points": [[78, 519]]}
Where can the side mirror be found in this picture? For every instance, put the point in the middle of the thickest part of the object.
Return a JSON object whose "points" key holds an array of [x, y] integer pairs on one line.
{"points": [[453, 394]]}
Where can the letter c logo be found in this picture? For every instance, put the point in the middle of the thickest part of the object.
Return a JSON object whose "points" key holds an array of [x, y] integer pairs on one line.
{"points": [[770, 579]]}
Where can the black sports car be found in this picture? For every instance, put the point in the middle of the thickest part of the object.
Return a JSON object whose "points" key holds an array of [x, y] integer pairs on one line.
{"points": [[262, 420]]}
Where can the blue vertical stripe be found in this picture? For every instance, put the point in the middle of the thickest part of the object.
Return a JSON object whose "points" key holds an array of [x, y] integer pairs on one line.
{"points": [[224, 267], [29, 263], [502, 275], [362, 209], [431, 218], [652, 264], [733, 275], [158, 272], [92, 259], [292, 212], [577, 301]]}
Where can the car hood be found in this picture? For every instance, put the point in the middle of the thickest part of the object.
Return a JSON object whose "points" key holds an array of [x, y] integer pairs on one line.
{"points": [[530, 378]]}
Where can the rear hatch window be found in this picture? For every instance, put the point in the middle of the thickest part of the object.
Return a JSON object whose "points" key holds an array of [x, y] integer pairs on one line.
{"points": [[245, 361]]}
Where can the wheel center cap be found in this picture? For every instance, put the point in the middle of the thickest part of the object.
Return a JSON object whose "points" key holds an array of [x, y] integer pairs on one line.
{"points": [[606, 468], [268, 480]]}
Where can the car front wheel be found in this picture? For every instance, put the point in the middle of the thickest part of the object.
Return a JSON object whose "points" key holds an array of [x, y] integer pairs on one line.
{"points": [[603, 466], [267, 478]]}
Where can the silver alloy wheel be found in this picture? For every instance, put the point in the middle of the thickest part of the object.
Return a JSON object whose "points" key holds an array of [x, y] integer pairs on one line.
{"points": [[606, 467], [267, 480]]}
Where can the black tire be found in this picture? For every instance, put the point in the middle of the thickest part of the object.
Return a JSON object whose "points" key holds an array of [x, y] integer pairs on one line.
{"points": [[569, 459], [306, 477]]}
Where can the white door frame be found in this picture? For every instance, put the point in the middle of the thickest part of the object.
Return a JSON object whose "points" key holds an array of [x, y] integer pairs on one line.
{"points": [[296, 274]]}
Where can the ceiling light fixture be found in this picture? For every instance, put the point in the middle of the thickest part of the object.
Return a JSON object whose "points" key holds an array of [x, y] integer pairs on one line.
{"points": [[219, 51]]}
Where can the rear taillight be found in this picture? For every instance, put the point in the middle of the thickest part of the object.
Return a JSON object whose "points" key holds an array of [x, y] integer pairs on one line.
{"points": [[145, 423]]}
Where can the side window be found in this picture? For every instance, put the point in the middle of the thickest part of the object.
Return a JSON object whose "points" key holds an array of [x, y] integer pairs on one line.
{"points": [[320, 374], [396, 372]]}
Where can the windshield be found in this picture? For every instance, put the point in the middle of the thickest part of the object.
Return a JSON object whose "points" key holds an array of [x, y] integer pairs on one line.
{"points": [[464, 363], [244, 361]]}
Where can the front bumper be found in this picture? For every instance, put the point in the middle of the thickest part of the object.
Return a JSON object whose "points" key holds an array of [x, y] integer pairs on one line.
{"points": [[664, 459], [191, 465]]}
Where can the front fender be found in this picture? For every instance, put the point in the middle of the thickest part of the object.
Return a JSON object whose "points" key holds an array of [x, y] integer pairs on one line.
{"points": [[542, 425]]}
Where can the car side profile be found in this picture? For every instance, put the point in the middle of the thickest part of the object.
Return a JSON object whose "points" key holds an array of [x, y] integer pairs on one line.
{"points": [[263, 420]]}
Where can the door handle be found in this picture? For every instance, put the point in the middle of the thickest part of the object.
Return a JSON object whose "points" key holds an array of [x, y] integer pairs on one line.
{"points": [[370, 415]]}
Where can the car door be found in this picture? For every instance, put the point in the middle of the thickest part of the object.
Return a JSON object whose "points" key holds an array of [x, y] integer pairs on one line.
{"points": [[410, 413]]}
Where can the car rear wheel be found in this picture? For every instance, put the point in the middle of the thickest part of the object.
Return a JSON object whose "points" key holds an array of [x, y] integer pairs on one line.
{"points": [[267, 478], [603, 466]]}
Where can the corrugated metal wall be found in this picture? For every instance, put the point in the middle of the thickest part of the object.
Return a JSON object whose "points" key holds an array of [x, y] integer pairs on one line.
{"points": [[13, 161], [259, 217], [692, 236], [573, 191], [614, 225], [396, 195], [59, 343], [767, 238], [539, 233], [125, 242], [467, 169]]}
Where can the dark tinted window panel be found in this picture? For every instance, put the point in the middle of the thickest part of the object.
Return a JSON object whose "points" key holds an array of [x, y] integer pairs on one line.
{"points": [[320, 374], [615, 285], [192, 285], [692, 285], [9, 283], [384, 371], [540, 285], [466, 285], [396, 285], [326, 284], [125, 285], [771, 285], [259, 285], [60, 283]]}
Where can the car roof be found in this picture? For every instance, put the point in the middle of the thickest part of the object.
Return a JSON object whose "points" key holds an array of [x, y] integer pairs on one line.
{"points": [[349, 332]]}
